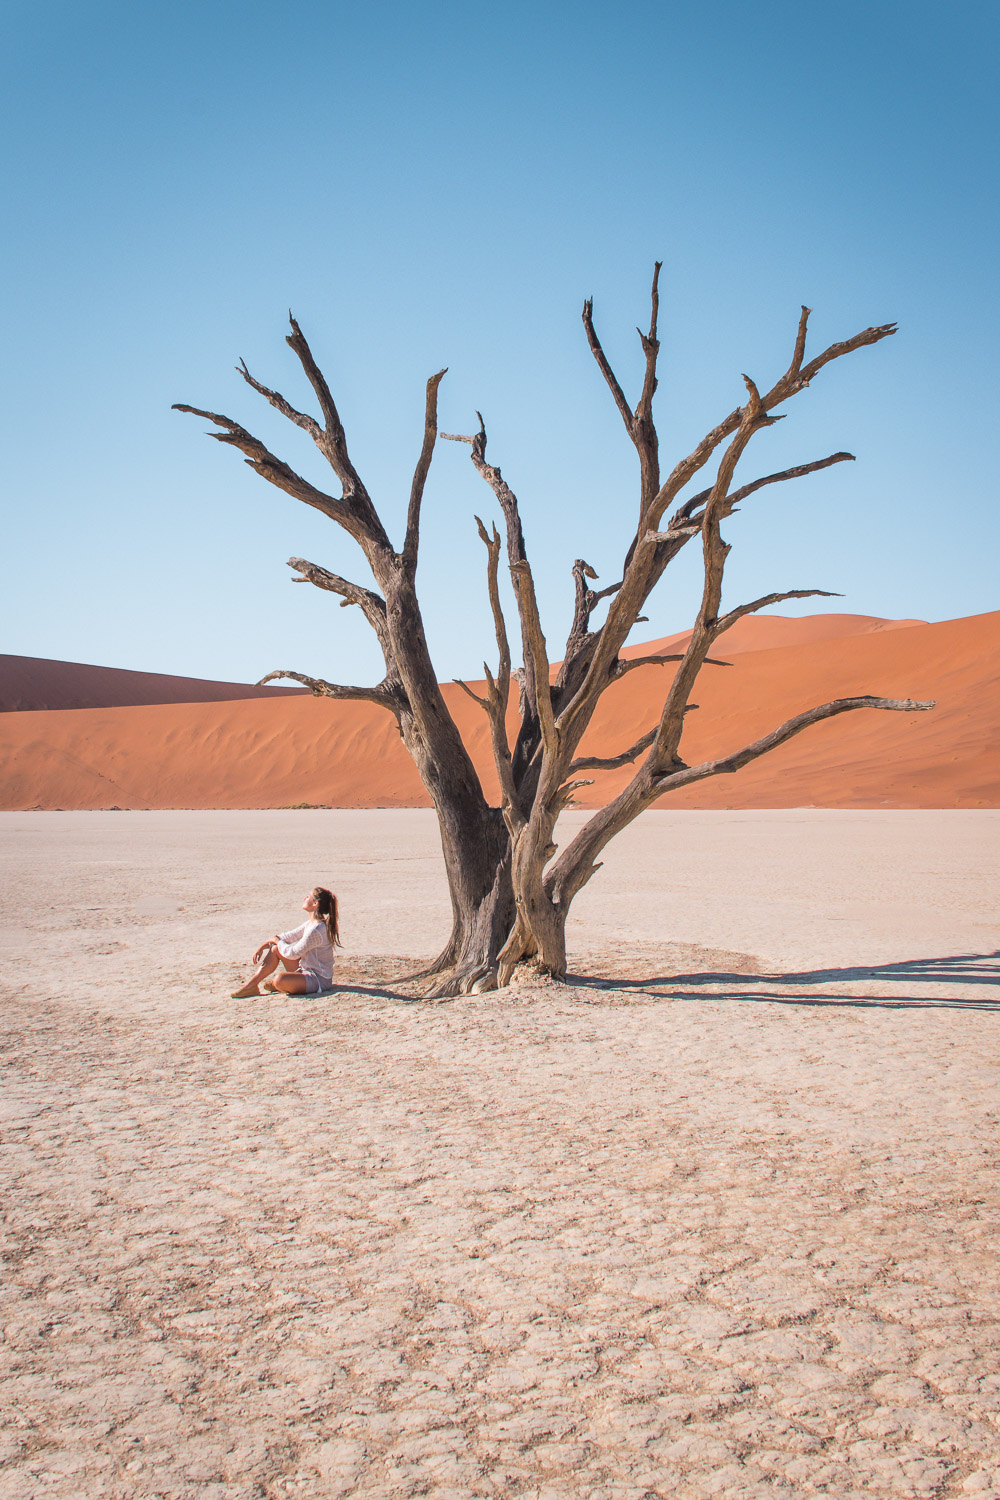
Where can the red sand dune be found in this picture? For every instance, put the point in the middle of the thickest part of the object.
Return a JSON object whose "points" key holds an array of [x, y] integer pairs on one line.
{"points": [[32, 682], [764, 632], [253, 753]]}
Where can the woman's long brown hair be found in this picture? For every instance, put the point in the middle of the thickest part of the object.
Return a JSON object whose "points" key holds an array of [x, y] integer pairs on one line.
{"points": [[326, 907]]}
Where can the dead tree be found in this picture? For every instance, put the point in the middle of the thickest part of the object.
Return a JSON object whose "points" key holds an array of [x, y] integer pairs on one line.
{"points": [[511, 889]]}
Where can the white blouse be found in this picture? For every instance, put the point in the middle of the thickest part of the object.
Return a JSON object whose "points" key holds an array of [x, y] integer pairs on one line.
{"points": [[310, 944]]}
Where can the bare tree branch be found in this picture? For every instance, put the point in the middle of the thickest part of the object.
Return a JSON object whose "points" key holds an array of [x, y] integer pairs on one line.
{"points": [[800, 376], [492, 545], [499, 687], [786, 731], [371, 604], [643, 427], [632, 663], [584, 598], [579, 641], [683, 512], [598, 663], [714, 553], [329, 438], [264, 463], [277, 400], [576, 863], [798, 353], [383, 695], [352, 593], [524, 589], [623, 612], [517, 562], [729, 620], [613, 762], [564, 798], [651, 348], [334, 439], [412, 540], [795, 379], [688, 467], [603, 364], [333, 445], [354, 510], [483, 703], [638, 424]]}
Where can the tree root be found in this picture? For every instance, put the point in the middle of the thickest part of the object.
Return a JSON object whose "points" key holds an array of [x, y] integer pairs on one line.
{"points": [[466, 979]]}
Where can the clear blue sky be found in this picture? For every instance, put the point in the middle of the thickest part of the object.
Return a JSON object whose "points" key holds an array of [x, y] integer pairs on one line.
{"points": [[443, 184]]}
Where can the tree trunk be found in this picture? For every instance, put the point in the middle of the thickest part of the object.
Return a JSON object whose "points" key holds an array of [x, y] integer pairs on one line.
{"points": [[539, 934], [477, 859], [474, 837]]}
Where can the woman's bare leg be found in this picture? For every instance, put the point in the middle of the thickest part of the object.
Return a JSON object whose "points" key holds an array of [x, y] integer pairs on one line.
{"points": [[291, 965], [267, 965], [292, 983]]}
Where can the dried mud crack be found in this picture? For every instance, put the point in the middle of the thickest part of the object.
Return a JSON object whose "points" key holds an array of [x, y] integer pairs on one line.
{"points": [[696, 1223]]}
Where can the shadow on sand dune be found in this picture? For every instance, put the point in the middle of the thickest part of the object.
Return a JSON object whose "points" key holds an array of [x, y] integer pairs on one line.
{"points": [[961, 969]]}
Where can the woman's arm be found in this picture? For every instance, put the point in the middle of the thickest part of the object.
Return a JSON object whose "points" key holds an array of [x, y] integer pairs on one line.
{"points": [[294, 944], [266, 945]]}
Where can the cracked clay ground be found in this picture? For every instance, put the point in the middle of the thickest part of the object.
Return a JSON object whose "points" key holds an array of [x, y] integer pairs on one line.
{"points": [[714, 1219]]}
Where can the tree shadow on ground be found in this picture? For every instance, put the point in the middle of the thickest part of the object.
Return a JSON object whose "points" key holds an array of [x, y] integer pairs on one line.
{"points": [[376, 977], [964, 969], [368, 992]]}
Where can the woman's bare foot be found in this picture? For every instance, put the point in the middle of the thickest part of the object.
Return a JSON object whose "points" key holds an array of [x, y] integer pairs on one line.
{"points": [[247, 992], [271, 987]]}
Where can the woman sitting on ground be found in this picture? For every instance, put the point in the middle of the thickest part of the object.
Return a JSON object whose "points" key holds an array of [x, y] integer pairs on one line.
{"points": [[305, 954]]}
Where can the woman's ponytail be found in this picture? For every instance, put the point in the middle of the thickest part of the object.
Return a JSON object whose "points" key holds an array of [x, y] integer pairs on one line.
{"points": [[326, 908]]}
